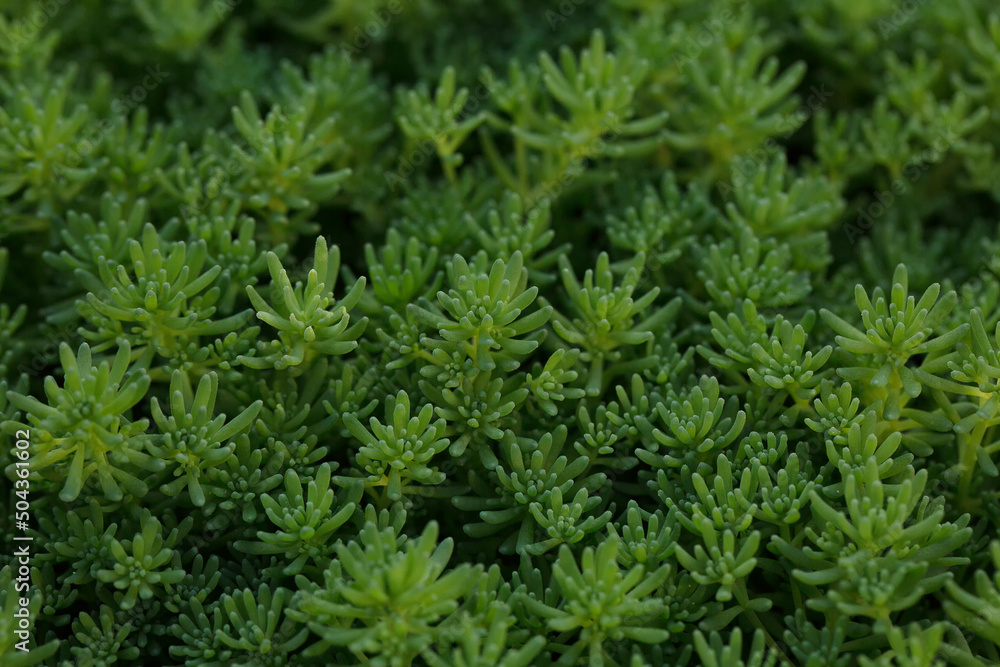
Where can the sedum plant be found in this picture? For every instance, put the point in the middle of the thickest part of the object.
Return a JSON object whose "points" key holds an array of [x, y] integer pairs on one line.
{"points": [[480, 318], [441, 121], [304, 521], [395, 454], [462, 334], [192, 438], [606, 314], [600, 603], [81, 432], [144, 564], [400, 609], [309, 319]]}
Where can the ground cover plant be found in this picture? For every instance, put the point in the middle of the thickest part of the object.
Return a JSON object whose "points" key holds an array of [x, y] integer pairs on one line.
{"points": [[466, 334]]}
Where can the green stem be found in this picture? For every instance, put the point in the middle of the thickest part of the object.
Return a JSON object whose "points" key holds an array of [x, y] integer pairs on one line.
{"points": [[493, 156], [186, 380], [786, 535], [967, 458], [522, 166], [595, 379], [449, 170], [740, 591]]}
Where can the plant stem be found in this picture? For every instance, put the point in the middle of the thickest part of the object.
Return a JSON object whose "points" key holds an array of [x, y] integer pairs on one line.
{"points": [[740, 590], [786, 534]]}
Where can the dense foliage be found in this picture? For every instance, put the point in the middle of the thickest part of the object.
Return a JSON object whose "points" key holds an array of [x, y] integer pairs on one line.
{"points": [[467, 334]]}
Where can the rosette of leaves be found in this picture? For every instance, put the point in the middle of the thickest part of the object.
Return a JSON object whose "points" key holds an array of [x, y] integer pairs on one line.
{"points": [[566, 522], [335, 84], [737, 97], [256, 631], [599, 603], [482, 317], [604, 315], [975, 374], [603, 434], [888, 547], [647, 538], [477, 410], [231, 238], [401, 272], [355, 392], [298, 411], [165, 308], [134, 150], [895, 329], [569, 112], [661, 220], [180, 31], [526, 474], [201, 577], [491, 600], [144, 618], [471, 647], [306, 521], [198, 630], [714, 652], [778, 361], [807, 641], [722, 497], [437, 211], [146, 564], [548, 383], [82, 430], [835, 412], [81, 541], [637, 406], [695, 427], [917, 645], [777, 203], [511, 225], [783, 493], [285, 165], [385, 598], [43, 154], [722, 558], [736, 334], [861, 448], [746, 267], [193, 439], [396, 455], [88, 239], [101, 640], [310, 320], [442, 120], [235, 485]]}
